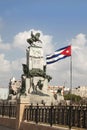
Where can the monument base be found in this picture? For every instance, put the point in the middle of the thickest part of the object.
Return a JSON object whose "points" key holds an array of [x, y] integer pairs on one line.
{"points": [[23, 99], [40, 98], [45, 100]]}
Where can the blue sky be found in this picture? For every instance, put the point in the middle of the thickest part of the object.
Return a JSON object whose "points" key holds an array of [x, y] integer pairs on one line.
{"points": [[61, 18], [64, 22]]}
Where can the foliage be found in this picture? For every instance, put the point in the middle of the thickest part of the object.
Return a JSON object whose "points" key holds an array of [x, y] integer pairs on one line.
{"points": [[73, 97]]}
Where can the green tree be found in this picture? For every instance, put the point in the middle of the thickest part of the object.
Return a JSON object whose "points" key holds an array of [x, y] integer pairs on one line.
{"points": [[73, 97]]}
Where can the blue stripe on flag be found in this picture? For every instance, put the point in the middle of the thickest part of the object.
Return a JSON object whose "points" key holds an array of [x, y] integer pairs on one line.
{"points": [[53, 61], [56, 56]]}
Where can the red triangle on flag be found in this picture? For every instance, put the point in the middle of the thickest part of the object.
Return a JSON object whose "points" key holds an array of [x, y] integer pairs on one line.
{"points": [[67, 51]]}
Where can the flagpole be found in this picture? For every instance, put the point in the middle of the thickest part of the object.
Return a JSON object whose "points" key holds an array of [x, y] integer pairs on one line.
{"points": [[70, 92], [71, 74]]}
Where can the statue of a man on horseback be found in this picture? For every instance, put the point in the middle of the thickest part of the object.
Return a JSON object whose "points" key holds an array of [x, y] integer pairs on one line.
{"points": [[34, 38]]}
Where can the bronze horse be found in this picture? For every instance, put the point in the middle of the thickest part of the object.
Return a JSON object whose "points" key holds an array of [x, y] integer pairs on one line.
{"points": [[34, 38]]}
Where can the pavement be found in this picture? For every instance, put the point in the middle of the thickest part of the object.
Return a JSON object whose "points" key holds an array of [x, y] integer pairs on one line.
{"points": [[5, 128], [62, 128], [58, 128]]}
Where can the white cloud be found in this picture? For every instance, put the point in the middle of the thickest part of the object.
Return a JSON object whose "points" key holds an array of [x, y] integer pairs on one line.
{"points": [[9, 69], [60, 71], [17, 64], [79, 41], [4, 64], [9, 66], [20, 40], [79, 58], [4, 71]]}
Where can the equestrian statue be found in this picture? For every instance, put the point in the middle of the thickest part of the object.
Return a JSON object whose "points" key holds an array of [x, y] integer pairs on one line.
{"points": [[34, 38]]}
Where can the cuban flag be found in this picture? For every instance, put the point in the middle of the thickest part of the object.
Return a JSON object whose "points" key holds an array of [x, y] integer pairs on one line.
{"points": [[59, 54]]}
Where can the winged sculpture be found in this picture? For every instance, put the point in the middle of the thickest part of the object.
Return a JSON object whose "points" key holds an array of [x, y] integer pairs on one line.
{"points": [[34, 38]]}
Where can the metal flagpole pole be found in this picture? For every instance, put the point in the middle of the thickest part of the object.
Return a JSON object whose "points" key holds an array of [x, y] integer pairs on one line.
{"points": [[70, 110], [71, 75]]}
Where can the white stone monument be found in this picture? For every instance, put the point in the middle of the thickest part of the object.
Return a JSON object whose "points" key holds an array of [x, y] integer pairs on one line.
{"points": [[36, 79]]}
